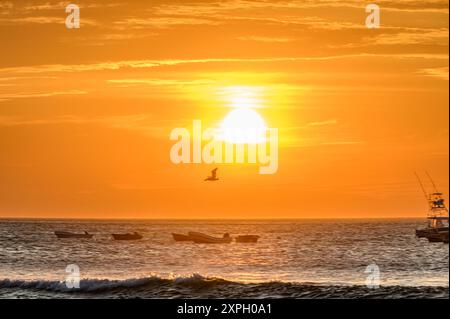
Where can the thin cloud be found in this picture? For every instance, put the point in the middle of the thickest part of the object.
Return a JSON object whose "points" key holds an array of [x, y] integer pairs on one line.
{"points": [[15, 121], [161, 22], [63, 4], [41, 20], [323, 123], [310, 125], [266, 39], [343, 143], [427, 37], [434, 6], [6, 5], [440, 73], [140, 123], [160, 63], [160, 82], [10, 96]]}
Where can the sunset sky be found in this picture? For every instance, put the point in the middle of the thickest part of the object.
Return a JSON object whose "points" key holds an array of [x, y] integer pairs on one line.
{"points": [[86, 114]]}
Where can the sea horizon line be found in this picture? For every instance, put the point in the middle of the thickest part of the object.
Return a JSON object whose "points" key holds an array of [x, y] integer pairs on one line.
{"points": [[209, 219]]}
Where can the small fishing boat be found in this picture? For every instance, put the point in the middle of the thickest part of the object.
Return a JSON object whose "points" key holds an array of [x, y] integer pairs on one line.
{"points": [[247, 239], [181, 237], [438, 219], [65, 234], [200, 238], [128, 236]]}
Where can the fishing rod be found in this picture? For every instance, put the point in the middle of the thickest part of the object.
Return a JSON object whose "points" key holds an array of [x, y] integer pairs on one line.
{"points": [[421, 186], [432, 182]]}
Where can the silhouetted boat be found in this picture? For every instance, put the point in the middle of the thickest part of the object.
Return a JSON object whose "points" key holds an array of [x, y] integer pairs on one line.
{"points": [[181, 237], [247, 239], [128, 236], [65, 234], [200, 238], [437, 237], [438, 219], [433, 229]]}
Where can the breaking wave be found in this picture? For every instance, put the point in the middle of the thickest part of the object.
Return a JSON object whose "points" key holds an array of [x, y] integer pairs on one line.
{"points": [[197, 286]]}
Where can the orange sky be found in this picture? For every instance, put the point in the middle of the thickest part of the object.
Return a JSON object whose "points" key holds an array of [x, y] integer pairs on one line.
{"points": [[85, 114]]}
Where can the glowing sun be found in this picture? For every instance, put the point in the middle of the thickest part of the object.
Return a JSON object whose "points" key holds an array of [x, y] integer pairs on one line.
{"points": [[243, 126]]}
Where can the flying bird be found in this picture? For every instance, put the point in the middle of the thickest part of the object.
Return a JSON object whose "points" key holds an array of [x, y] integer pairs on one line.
{"points": [[213, 176]]}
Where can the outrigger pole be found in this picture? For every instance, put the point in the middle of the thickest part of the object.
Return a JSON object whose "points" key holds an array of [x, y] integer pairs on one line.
{"points": [[432, 182], [421, 186]]}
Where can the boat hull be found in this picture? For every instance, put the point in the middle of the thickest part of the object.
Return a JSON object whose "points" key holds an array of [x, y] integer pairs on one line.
{"points": [[434, 235], [181, 237], [67, 235], [423, 233], [200, 238], [127, 236]]}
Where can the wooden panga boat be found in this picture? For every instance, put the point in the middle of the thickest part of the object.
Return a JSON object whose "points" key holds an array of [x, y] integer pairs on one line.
{"points": [[66, 234], [200, 238], [181, 237], [128, 236]]}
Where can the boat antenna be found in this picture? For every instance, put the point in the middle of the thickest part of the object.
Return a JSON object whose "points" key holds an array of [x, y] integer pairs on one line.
{"points": [[421, 186], [432, 182]]}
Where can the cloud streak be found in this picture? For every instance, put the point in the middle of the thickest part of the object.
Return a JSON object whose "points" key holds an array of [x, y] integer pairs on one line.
{"points": [[143, 124], [10, 96], [439, 73], [142, 64]]}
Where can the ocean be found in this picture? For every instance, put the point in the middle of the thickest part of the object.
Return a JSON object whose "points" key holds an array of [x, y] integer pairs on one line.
{"points": [[292, 259]]}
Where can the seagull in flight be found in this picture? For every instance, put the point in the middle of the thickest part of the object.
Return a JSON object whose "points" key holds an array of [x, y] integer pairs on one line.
{"points": [[213, 176]]}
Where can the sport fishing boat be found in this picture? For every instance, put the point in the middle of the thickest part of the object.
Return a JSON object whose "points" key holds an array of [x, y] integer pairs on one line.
{"points": [[436, 231], [438, 218], [66, 234], [128, 236], [200, 238]]}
